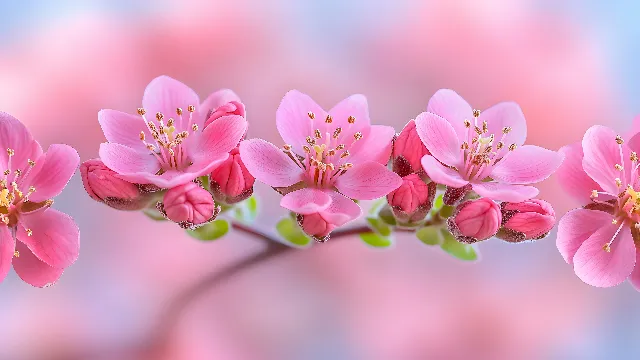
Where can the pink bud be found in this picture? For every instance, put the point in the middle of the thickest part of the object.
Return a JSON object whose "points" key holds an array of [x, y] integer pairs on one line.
{"points": [[231, 181], [103, 185], [188, 204], [316, 226], [408, 150], [528, 220], [475, 220], [230, 108], [413, 199]]}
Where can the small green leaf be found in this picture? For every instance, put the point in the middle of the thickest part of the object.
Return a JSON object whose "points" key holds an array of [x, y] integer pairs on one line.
{"points": [[205, 181], [457, 249], [379, 226], [438, 203], [211, 231], [447, 211], [252, 206], [291, 232], [430, 235], [376, 240], [387, 216], [154, 214]]}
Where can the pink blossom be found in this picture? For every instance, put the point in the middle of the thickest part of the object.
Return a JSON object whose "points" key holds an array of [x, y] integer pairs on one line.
{"points": [[166, 144], [475, 220], [331, 158], [188, 205], [230, 181], [599, 239], [527, 220], [413, 199], [408, 151], [482, 149], [39, 241]]}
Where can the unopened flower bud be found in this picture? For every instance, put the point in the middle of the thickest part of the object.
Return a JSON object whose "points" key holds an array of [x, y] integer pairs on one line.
{"points": [[231, 182], [103, 185], [413, 199], [408, 150], [528, 220], [316, 226], [475, 220], [230, 108], [188, 205]]}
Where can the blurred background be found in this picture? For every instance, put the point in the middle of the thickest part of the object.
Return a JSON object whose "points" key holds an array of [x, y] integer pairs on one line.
{"points": [[569, 64]]}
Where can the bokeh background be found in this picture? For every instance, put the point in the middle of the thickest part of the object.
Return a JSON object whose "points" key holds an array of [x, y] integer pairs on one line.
{"points": [[570, 64]]}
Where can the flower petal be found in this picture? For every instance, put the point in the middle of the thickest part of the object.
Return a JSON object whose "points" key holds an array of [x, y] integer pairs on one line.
{"points": [[165, 95], [14, 135], [52, 172], [306, 201], [124, 160], [269, 164], [448, 104], [506, 115], [505, 192], [356, 106], [572, 177], [442, 174], [368, 181], [634, 278], [601, 154], [440, 138], [576, 227], [32, 270], [600, 268], [527, 165], [217, 99], [341, 210], [55, 237], [292, 119], [122, 128], [376, 146], [220, 137], [7, 248]]}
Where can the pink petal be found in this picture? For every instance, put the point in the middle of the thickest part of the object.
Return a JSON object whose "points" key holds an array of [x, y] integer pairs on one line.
{"points": [[292, 119], [502, 115], [600, 268], [356, 106], [342, 209], [165, 95], [122, 128], [451, 106], [442, 174], [220, 137], [269, 164], [14, 135], [634, 135], [527, 165], [7, 248], [368, 181], [55, 237], [217, 99], [174, 178], [52, 172], [505, 192], [572, 177], [306, 201], [601, 154], [634, 278], [32, 270], [124, 160], [576, 227], [440, 138], [376, 146]]}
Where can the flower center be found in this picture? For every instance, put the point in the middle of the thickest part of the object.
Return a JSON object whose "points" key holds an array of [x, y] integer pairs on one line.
{"points": [[326, 153], [167, 139], [481, 152], [14, 195]]}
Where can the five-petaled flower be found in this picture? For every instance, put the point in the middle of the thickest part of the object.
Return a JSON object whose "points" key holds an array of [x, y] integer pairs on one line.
{"points": [[167, 143], [482, 151], [329, 159], [38, 241]]}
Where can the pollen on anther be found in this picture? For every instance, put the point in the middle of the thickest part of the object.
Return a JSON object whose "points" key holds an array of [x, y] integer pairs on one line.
{"points": [[311, 115], [306, 149], [619, 140], [331, 152], [478, 130], [141, 111], [634, 156], [351, 120], [142, 136], [506, 130], [191, 108], [500, 145], [618, 167], [16, 254], [311, 141], [344, 154], [170, 122], [464, 146], [32, 189], [618, 182], [340, 147], [7, 172], [18, 172], [31, 163], [179, 111], [357, 135], [594, 194], [286, 147], [10, 152], [485, 127], [159, 116], [329, 119], [194, 127], [29, 232], [512, 147], [336, 133], [318, 134], [607, 247], [614, 221], [467, 123], [476, 113]]}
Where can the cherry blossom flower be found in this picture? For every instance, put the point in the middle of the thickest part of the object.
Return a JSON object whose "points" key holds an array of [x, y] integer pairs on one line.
{"points": [[38, 241], [482, 151], [172, 146], [599, 240], [329, 159]]}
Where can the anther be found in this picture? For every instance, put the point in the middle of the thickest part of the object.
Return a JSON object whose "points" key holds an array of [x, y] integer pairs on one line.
{"points": [[329, 119], [150, 147], [141, 111], [478, 130], [311, 141], [159, 116], [618, 167], [512, 147], [331, 166], [476, 113], [306, 149], [191, 108], [171, 152], [634, 156], [464, 146], [179, 111], [594, 194], [311, 115], [474, 140], [619, 140], [16, 254], [286, 147], [351, 120], [194, 127], [170, 122], [485, 127], [467, 123], [614, 221], [500, 145], [331, 152], [607, 247], [618, 182], [32, 189], [29, 232], [344, 154], [10, 152], [31, 163], [7, 172], [337, 132], [318, 134], [357, 135], [18, 172], [506, 130], [142, 136], [340, 147]]}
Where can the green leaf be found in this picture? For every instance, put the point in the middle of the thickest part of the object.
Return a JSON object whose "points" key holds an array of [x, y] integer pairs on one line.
{"points": [[205, 181], [211, 231], [387, 216], [376, 240], [430, 235], [438, 203], [154, 214], [252, 206], [447, 211], [379, 226], [457, 249], [291, 232]]}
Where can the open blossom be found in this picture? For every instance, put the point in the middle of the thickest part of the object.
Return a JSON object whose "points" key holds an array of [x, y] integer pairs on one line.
{"points": [[600, 238], [475, 220], [330, 156], [166, 143], [38, 241], [482, 151]]}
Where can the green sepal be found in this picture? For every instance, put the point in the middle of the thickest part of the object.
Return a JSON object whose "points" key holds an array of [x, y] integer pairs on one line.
{"points": [[154, 214], [376, 240], [289, 230], [430, 235], [457, 249], [379, 226], [211, 231]]}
